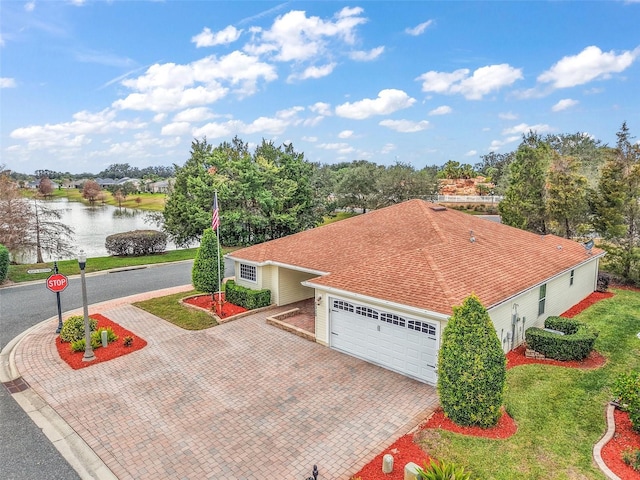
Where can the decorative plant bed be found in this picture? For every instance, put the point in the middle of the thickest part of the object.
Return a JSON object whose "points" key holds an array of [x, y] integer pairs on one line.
{"points": [[595, 297], [623, 439], [102, 354], [221, 308]]}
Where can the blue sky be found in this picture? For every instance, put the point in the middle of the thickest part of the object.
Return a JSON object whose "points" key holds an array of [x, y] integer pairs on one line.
{"points": [[86, 84]]}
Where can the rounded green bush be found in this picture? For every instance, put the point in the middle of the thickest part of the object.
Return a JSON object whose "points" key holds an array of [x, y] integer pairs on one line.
{"points": [[472, 368], [4, 263], [73, 328], [576, 343]]}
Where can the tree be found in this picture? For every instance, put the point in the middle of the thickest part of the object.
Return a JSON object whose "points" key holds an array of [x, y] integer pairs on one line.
{"points": [[262, 196], [524, 203], [356, 185], [207, 265], [15, 215], [472, 368], [589, 153], [48, 234], [91, 191], [616, 207], [495, 166], [567, 204], [400, 182], [45, 187]]}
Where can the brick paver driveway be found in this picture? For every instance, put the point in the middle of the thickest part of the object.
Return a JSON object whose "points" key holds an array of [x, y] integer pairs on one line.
{"points": [[243, 400]]}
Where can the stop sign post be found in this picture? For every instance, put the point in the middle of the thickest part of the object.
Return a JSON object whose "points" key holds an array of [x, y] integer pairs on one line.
{"points": [[57, 282]]}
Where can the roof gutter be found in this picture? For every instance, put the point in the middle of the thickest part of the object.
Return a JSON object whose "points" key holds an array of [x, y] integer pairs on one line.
{"points": [[537, 285], [277, 264], [366, 298]]}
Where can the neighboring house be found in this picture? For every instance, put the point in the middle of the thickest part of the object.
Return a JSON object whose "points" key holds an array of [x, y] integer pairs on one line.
{"points": [[162, 186], [105, 182], [384, 283]]}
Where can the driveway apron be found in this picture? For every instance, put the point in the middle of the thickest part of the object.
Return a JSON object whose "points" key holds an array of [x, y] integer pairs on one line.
{"points": [[243, 400]]}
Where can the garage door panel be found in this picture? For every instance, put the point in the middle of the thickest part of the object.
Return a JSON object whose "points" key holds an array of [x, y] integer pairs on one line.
{"points": [[404, 345]]}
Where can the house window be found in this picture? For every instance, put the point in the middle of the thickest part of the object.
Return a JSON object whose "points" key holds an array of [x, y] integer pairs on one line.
{"points": [[542, 298], [248, 272], [571, 278]]}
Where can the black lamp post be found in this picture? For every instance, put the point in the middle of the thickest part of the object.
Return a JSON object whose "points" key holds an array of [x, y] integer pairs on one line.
{"points": [[88, 351]]}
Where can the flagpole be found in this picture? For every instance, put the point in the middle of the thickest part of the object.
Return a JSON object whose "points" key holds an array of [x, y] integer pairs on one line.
{"points": [[216, 213]]}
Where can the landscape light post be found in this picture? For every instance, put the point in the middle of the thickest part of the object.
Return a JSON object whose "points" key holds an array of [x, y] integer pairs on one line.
{"points": [[88, 351]]}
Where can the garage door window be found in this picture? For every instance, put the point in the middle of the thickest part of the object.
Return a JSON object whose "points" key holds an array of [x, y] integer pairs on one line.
{"points": [[422, 327], [340, 305], [393, 319], [367, 312]]}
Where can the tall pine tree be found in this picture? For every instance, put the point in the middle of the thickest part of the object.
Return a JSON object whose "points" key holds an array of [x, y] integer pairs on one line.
{"points": [[616, 207]]}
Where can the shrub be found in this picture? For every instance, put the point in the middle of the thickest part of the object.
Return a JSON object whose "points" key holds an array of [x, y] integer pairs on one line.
{"points": [[4, 263], [632, 458], [207, 264], [442, 471], [73, 328], [576, 343], [246, 297], [603, 282], [111, 336], [137, 242], [472, 367], [626, 392], [127, 341]]}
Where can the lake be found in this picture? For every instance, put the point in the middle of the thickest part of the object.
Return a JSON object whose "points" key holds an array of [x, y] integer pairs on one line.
{"points": [[93, 224]]}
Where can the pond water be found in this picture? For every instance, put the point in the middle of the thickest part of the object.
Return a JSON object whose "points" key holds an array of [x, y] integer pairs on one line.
{"points": [[93, 224]]}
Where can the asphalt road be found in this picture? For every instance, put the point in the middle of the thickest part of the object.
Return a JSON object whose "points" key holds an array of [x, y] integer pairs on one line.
{"points": [[25, 452]]}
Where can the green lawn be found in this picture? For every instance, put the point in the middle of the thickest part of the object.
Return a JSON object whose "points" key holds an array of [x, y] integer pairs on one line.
{"points": [[559, 411], [171, 310], [18, 273]]}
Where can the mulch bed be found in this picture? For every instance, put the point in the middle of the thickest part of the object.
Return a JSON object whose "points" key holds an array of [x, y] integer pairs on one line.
{"points": [[587, 302], [517, 357], [102, 354], [505, 428], [624, 438], [221, 309]]}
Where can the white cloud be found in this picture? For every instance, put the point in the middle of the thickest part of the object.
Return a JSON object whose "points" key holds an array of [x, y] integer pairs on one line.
{"points": [[507, 116], [345, 134], [341, 148], [313, 72], [197, 114], [296, 37], [419, 29], [207, 38], [471, 153], [388, 148], [266, 125], [590, 64], [405, 126], [564, 104], [159, 118], [168, 87], [483, 81], [74, 133], [362, 56], [523, 128], [6, 82], [498, 144], [321, 108], [441, 110], [176, 128], [30, 6], [388, 101], [310, 139]]}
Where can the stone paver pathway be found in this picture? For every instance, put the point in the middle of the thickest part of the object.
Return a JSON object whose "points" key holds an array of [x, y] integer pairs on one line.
{"points": [[243, 400]]}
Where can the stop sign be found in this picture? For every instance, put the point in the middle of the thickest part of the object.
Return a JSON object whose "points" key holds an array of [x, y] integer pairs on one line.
{"points": [[57, 282]]}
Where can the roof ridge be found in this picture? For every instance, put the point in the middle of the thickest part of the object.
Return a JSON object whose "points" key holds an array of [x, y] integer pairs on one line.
{"points": [[426, 206], [439, 277]]}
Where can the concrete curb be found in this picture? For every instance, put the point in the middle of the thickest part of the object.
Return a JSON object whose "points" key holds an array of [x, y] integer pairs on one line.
{"points": [[597, 449], [71, 446]]}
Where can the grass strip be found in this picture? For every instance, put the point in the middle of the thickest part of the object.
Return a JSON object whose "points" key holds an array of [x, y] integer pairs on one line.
{"points": [[170, 309]]}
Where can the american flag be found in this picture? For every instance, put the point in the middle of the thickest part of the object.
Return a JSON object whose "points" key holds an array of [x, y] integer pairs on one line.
{"points": [[215, 220]]}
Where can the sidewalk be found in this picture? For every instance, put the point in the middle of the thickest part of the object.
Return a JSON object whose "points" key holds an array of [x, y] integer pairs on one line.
{"points": [[242, 400]]}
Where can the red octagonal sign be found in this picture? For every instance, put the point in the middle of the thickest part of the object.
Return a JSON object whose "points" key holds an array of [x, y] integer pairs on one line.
{"points": [[57, 282]]}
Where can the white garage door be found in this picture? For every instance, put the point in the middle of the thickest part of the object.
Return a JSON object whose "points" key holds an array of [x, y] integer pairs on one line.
{"points": [[402, 344]]}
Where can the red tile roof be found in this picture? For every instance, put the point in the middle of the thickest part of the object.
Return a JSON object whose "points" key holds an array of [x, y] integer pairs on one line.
{"points": [[414, 254]]}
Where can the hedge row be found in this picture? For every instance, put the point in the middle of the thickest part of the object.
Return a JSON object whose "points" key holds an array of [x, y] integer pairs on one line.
{"points": [[137, 242], [4, 262], [576, 343], [246, 297]]}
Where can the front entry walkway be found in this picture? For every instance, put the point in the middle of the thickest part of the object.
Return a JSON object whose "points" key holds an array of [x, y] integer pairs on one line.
{"points": [[242, 400]]}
